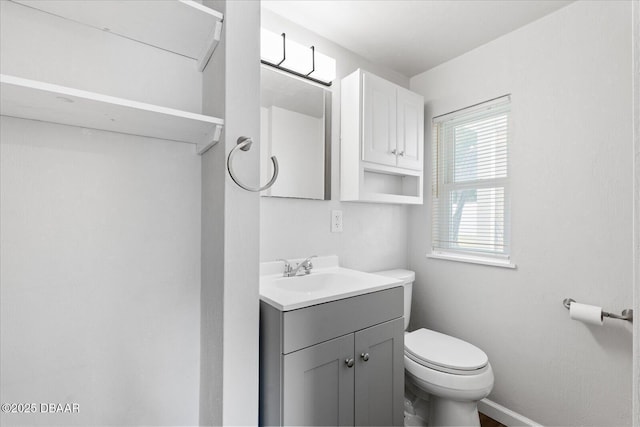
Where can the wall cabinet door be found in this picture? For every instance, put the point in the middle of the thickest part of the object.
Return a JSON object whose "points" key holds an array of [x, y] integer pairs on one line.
{"points": [[379, 375], [378, 120], [410, 129], [318, 385]]}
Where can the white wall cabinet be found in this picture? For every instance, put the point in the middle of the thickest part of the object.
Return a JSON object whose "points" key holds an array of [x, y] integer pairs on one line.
{"points": [[382, 141], [339, 363]]}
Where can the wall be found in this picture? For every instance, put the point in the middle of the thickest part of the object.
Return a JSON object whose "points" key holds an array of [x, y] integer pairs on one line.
{"points": [[636, 190], [374, 235], [229, 337], [99, 238], [571, 170], [212, 243]]}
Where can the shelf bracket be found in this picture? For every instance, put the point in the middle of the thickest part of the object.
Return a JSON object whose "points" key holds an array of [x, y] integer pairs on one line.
{"points": [[210, 140], [212, 43]]}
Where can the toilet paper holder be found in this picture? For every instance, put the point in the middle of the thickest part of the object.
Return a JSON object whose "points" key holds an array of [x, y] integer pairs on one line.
{"points": [[627, 314]]}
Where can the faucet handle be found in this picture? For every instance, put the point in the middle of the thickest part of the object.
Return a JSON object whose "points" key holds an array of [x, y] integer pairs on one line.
{"points": [[287, 265], [307, 265], [307, 268]]}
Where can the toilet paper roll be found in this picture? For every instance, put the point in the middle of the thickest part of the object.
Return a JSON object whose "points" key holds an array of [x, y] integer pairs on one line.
{"points": [[586, 313]]}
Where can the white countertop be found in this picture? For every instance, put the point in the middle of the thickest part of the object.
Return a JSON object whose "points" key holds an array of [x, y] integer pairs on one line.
{"points": [[327, 282]]}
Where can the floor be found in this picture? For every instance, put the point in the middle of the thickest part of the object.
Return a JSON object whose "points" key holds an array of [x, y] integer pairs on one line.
{"points": [[489, 422]]}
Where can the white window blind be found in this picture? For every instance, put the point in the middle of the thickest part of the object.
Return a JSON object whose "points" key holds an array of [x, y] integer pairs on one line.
{"points": [[470, 190]]}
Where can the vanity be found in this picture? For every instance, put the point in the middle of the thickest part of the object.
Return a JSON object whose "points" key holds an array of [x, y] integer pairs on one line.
{"points": [[331, 347]]}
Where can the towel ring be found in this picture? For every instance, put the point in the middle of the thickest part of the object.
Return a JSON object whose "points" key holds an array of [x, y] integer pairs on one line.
{"points": [[244, 144]]}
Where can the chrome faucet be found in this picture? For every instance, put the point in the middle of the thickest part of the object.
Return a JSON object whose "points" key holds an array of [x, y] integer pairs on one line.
{"points": [[303, 268]]}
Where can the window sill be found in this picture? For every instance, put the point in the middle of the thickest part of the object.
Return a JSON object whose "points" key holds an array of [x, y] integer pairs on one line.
{"points": [[492, 262]]}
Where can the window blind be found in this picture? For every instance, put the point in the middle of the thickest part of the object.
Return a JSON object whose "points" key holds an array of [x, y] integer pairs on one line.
{"points": [[470, 190]]}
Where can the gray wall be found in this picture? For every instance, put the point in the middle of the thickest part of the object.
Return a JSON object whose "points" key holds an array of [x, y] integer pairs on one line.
{"points": [[99, 238], [375, 235], [571, 168]]}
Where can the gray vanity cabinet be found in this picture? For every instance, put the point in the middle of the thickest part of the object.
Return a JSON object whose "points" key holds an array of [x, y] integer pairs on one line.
{"points": [[337, 363], [379, 382], [319, 385]]}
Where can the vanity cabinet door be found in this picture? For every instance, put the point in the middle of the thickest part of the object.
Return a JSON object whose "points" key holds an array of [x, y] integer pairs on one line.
{"points": [[318, 384], [379, 375], [410, 128], [379, 120]]}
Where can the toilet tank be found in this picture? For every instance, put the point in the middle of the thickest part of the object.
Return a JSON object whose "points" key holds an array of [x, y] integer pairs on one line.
{"points": [[407, 277]]}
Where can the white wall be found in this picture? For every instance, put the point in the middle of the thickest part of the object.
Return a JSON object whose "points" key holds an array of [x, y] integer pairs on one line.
{"points": [[571, 168], [374, 236], [636, 190], [99, 238], [212, 243], [230, 300]]}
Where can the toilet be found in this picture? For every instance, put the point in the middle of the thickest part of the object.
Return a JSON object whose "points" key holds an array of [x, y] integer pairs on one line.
{"points": [[445, 377]]}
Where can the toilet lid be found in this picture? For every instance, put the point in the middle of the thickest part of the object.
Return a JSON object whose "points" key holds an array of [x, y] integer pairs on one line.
{"points": [[434, 348]]}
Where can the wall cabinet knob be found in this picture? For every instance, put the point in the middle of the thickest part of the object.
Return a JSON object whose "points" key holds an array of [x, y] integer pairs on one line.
{"points": [[349, 361], [401, 154], [364, 356], [394, 151]]}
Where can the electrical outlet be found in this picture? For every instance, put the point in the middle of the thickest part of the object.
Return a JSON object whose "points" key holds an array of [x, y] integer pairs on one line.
{"points": [[336, 221]]}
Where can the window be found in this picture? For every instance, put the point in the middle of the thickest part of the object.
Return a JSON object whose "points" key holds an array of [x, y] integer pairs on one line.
{"points": [[470, 186]]}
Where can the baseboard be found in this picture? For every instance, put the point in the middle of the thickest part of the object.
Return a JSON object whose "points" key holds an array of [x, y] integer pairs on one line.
{"points": [[504, 415]]}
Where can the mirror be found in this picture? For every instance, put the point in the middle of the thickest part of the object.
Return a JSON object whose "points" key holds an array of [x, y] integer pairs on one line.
{"points": [[295, 126]]}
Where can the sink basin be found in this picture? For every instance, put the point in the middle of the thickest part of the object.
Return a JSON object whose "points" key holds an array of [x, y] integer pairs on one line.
{"points": [[322, 285], [319, 282]]}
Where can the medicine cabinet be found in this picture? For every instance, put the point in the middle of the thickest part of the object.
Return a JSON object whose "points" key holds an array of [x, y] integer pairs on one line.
{"points": [[295, 126]]}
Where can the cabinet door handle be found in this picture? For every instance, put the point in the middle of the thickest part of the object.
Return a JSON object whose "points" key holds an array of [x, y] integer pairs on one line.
{"points": [[394, 151], [401, 154], [364, 356], [349, 361]]}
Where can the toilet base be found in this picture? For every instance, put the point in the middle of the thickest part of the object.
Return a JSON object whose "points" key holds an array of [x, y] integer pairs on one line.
{"points": [[446, 412], [427, 409], [438, 412], [416, 407]]}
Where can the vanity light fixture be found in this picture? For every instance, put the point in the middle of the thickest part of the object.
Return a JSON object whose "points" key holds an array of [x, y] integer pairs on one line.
{"points": [[279, 52]]}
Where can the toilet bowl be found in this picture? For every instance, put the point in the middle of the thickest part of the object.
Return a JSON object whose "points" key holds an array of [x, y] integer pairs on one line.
{"points": [[454, 374], [444, 374]]}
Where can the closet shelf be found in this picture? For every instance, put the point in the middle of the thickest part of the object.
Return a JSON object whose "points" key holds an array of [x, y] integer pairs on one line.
{"points": [[184, 27], [35, 100]]}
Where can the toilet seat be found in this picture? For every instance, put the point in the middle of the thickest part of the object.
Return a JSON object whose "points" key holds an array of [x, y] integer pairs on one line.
{"points": [[444, 353], [442, 369]]}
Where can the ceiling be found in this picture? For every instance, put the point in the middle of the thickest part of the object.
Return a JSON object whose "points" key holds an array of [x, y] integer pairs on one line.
{"points": [[412, 36]]}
